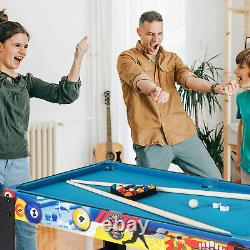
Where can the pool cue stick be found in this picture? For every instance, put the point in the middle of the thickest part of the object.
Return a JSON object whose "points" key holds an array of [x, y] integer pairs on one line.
{"points": [[150, 209], [238, 196]]}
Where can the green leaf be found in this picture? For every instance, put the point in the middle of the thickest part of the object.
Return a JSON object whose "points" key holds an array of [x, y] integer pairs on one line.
{"points": [[194, 101], [213, 141]]}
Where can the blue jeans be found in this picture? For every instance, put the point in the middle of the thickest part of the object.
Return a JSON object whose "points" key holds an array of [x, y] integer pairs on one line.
{"points": [[13, 172], [190, 155]]}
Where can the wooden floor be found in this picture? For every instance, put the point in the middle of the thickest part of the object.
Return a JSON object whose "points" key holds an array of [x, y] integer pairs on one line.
{"points": [[52, 239]]}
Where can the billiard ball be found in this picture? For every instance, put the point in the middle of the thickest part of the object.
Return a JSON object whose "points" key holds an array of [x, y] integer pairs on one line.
{"points": [[121, 190], [128, 194], [140, 190], [193, 203], [151, 186], [19, 209], [81, 219], [33, 212], [9, 193]]}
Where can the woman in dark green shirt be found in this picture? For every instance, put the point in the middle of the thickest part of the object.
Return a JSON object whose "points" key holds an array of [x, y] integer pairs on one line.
{"points": [[15, 93]]}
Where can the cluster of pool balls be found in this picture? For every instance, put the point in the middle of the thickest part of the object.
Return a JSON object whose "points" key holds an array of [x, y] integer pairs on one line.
{"points": [[133, 192]]}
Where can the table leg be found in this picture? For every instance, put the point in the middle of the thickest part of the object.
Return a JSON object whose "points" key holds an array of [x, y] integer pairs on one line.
{"points": [[112, 246], [7, 223]]}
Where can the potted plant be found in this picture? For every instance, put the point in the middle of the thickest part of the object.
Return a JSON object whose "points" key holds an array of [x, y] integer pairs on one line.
{"points": [[194, 101], [213, 141]]}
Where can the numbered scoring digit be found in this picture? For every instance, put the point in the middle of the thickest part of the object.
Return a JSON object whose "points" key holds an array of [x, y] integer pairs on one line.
{"points": [[34, 213], [81, 219]]}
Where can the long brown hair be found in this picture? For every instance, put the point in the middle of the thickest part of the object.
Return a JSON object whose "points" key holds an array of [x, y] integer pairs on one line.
{"points": [[9, 28]]}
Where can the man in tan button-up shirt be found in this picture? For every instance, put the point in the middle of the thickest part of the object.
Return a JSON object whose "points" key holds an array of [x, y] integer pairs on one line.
{"points": [[162, 131]]}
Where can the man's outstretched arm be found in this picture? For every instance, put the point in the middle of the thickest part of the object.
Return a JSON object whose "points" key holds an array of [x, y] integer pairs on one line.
{"points": [[202, 85]]}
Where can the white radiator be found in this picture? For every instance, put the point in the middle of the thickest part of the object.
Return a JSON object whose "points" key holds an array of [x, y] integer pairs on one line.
{"points": [[42, 147]]}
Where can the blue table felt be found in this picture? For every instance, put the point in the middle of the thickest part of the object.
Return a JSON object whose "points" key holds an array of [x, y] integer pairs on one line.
{"points": [[236, 220]]}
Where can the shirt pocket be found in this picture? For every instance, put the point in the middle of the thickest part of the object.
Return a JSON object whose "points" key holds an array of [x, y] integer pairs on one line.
{"points": [[148, 68], [166, 75]]}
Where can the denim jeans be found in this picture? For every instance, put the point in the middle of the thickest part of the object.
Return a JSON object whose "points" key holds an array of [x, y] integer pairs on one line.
{"points": [[13, 172], [190, 155]]}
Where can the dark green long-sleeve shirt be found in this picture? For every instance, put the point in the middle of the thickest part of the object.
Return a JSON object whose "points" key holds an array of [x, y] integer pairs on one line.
{"points": [[15, 94]]}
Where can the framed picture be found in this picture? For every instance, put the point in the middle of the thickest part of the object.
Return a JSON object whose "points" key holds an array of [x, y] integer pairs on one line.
{"points": [[247, 43]]}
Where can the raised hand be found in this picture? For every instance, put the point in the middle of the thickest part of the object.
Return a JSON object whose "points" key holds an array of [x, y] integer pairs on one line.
{"points": [[227, 88], [81, 48], [159, 96], [232, 88]]}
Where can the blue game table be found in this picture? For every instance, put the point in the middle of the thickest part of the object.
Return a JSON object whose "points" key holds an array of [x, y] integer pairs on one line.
{"points": [[53, 202]]}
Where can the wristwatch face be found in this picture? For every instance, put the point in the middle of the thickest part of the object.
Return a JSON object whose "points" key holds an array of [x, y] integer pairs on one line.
{"points": [[213, 87]]}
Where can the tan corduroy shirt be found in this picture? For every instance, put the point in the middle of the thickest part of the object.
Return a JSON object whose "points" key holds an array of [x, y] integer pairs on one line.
{"points": [[153, 123]]}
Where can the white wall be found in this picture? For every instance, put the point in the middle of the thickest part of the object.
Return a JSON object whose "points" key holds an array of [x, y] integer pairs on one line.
{"points": [[55, 28], [205, 35], [190, 26]]}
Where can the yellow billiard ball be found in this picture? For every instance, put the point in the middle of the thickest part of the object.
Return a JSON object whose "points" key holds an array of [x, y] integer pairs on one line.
{"points": [[81, 219], [151, 186], [139, 190]]}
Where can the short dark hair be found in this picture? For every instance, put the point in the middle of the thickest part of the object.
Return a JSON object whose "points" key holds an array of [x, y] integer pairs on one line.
{"points": [[150, 16], [8, 28], [243, 57]]}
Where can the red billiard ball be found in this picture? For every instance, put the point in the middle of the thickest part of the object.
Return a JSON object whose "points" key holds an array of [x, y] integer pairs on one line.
{"points": [[9, 193], [122, 190]]}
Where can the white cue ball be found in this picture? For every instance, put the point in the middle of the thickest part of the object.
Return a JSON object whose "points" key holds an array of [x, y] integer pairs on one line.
{"points": [[193, 203]]}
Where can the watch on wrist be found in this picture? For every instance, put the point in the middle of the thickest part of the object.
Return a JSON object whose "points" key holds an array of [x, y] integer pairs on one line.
{"points": [[213, 86]]}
